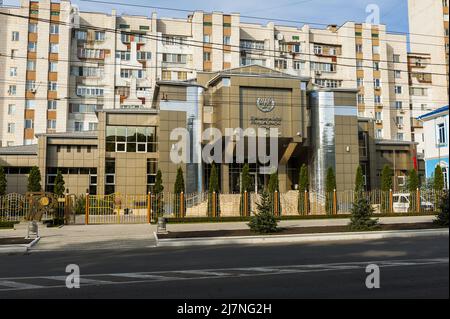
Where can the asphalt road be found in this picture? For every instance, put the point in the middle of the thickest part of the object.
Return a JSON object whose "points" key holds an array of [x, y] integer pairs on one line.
{"points": [[409, 268]]}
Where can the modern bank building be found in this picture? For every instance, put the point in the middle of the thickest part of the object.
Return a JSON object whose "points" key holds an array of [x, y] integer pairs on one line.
{"points": [[316, 126]]}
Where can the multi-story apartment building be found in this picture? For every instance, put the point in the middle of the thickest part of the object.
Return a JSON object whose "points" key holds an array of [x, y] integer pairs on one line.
{"points": [[428, 60], [106, 61]]}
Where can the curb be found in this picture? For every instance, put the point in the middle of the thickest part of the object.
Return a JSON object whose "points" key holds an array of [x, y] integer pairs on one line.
{"points": [[18, 249], [307, 238]]}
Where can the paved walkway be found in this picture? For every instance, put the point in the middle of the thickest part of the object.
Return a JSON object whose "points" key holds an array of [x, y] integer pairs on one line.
{"points": [[91, 237]]}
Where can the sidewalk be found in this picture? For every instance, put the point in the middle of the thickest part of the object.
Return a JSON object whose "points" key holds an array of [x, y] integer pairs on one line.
{"points": [[92, 237], [130, 236]]}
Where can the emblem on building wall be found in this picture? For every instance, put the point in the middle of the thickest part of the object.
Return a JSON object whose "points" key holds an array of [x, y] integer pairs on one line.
{"points": [[265, 104]]}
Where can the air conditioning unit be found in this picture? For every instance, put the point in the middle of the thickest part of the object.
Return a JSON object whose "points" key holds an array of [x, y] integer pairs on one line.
{"points": [[377, 87], [379, 121], [33, 90], [318, 73], [402, 111], [400, 127]]}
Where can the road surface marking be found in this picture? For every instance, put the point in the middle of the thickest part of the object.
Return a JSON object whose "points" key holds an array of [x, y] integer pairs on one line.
{"points": [[18, 285], [158, 276]]}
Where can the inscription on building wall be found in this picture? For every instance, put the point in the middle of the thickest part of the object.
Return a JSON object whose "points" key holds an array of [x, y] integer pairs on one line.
{"points": [[265, 122]]}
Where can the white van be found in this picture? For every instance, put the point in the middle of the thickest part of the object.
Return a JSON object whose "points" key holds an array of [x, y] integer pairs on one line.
{"points": [[401, 203]]}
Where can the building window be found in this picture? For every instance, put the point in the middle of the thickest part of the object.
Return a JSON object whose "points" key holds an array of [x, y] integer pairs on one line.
{"points": [[54, 48], [360, 99], [359, 64], [51, 124], [377, 83], [81, 35], [359, 82], [299, 65], [53, 67], [376, 66], [11, 109], [31, 65], [377, 99], [78, 126], [396, 58], [13, 71], [11, 128], [12, 90], [131, 139], [359, 48], [399, 120], [32, 28], [206, 38], [52, 86], [398, 90], [379, 133], [397, 74], [15, 36], [54, 29], [296, 48], [322, 67], [442, 137], [93, 126], [123, 55], [30, 104], [376, 49], [182, 75], [281, 64], [29, 124], [30, 85], [51, 105], [207, 56], [32, 46], [400, 137], [144, 56], [178, 58], [83, 108], [89, 91], [226, 40], [378, 116], [318, 49], [152, 169], [99, 36], [398, 105], [110, 176]]}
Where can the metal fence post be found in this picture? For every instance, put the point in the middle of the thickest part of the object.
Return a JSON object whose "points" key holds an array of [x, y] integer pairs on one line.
{"points": [[245, 203], [275, 204], [305, 203], [86, 221], [334, 202], [391, 202], [149, 208], [182, 204], [418, 200], [214, 213]]}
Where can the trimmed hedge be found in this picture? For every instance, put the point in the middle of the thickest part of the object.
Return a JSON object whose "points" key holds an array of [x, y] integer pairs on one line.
{"points": [[190, 220], [7, 225]]}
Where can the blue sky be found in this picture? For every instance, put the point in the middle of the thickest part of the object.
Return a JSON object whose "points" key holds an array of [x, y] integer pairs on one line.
{"points": [[393, 13]]}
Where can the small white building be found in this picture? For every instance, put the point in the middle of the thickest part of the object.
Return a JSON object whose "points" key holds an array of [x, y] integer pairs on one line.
{"points": [[435, 127]]}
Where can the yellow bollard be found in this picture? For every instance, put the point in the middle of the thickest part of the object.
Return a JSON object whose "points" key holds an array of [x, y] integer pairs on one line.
{"points": [[418, 200], [86, 219]]}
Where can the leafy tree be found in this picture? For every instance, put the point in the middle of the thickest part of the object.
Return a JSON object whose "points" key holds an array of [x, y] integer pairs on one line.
{"points": [[34, 180], [213, 187], [386, 178], [386, 185], [413, 185], [178, 189], [359, 181], [59, 184], [80, 205], [361, 219], [303, 186], [3, 182], [443, 216], [330, 186], [246, 186], [158, 190], [438, 179], [264, 221]]}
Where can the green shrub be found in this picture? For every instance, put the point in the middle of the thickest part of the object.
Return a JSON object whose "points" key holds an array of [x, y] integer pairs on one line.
{"points": [[264, 222], [442, 218], [361, 218]]}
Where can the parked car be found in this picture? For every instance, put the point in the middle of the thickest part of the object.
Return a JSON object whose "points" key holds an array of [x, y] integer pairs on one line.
{"points": [[402, 203]]}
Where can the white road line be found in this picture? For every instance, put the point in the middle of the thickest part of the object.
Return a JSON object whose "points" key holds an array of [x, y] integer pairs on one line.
{"points": [[143, 276], [204, 273], [147, 277], [83, 280], [18, 285]]}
